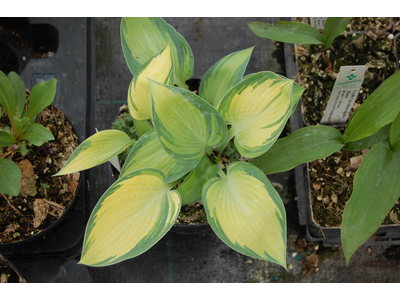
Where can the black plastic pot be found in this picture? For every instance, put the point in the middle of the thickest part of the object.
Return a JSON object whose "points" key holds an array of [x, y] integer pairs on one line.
{"points": [[70, 42], [329, 236], [20, 277]]}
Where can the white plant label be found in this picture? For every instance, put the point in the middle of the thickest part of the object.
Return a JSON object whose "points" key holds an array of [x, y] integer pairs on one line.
{"points": [[345, 91], [318, 22]]}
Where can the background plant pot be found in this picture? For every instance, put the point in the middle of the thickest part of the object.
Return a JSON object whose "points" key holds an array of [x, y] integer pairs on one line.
{"points": [[330, 236], [8, 270], [71, 61], [318, 68]]}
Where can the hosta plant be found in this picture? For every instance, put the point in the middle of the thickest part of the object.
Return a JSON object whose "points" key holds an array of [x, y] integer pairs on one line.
{"points": [[23, 127], [176, 159], [375, 124]]}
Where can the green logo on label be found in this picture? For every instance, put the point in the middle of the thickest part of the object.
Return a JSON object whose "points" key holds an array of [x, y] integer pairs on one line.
{"points": [[351, 77]]}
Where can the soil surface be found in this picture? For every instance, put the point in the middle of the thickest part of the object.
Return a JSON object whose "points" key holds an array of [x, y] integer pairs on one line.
{"points": [[331, 183], [43, 198], [367, 41], [319, 68]]}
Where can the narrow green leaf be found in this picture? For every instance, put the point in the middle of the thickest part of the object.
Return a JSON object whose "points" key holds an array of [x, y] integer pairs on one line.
{"points": [[191, 189], [141, 38], [395, 133], [223, 75], [246, 213], [42, 95], [287, 32], [10, 177], [258, 109], [131, 216], [369, 141], [149, 153], [158, 68], [6, 139], [376, 190], [7, 96], [186, 125], [20, 92], [95, 150], [37, 135], [302, 146], [379, 109], [142, 126], [333, 27]]}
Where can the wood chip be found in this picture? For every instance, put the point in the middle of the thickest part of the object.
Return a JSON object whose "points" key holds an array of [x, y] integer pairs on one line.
{"points": [[11, 228], [41, 209], [334, 198], [317, 186], [355, 161], [340, 171], [393, 217], [28, 183]]}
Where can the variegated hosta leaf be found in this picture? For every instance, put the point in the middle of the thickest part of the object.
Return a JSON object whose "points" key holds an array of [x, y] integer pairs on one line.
{"points": [[141, 38], [148, 153], [185, 124], [190, 190], [257, 108], [223, 75], [158, 68], [246, 213], [97, 149], [131, 216], [142, 126]]}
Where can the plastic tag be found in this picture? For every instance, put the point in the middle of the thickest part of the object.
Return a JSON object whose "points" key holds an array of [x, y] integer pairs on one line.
{"points": [[344, 94], [318, 22]]}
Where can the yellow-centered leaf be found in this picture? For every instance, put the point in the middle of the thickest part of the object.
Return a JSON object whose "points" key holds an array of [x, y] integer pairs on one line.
{"points": [[148, 153], [246, 213], [95, 150], [158, 68], [131, 216], [257, 108], [186, 125]]}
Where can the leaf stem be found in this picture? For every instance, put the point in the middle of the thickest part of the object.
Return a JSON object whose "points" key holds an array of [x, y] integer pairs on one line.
{"points": [[221, 173], [231, 133]]}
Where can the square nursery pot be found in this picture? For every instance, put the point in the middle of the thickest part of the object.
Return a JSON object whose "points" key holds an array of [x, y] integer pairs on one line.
{"points": [[315, 70], [60, 48]]}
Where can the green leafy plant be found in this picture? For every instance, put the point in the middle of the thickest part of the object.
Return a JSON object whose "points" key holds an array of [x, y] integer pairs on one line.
{"points": [[375, 124], [23, 127], [176, 159], [300, 33]]}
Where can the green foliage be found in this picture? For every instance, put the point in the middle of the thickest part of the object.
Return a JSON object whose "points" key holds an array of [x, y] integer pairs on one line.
{"points": [[177, 158], [375, 124], [23, 127], [300, 33]]}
